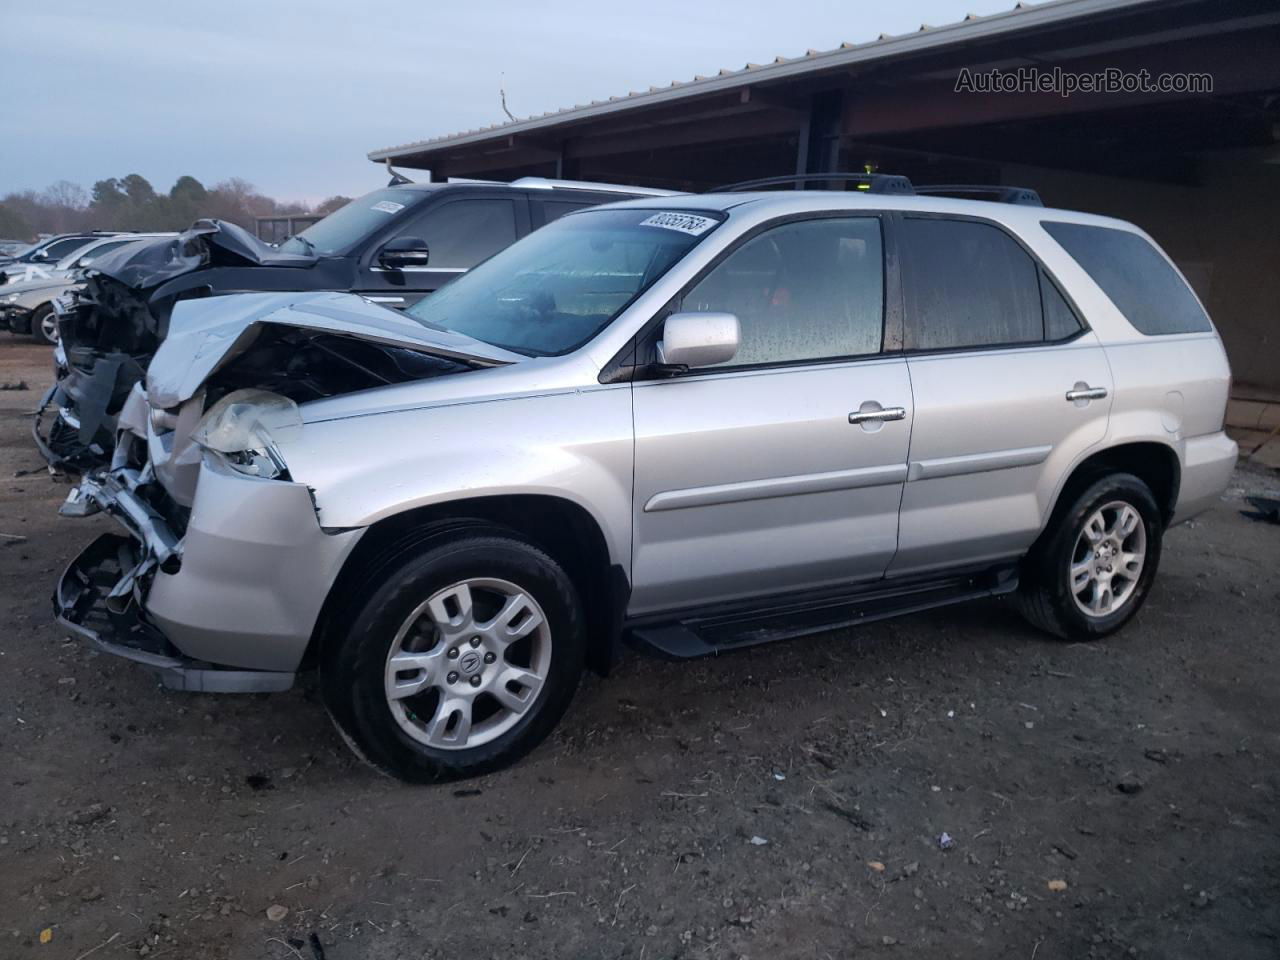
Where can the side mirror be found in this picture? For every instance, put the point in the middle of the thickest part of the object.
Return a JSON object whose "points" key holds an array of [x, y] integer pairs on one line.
{"points": [[40, 255], [698, 340], [404, 252]]}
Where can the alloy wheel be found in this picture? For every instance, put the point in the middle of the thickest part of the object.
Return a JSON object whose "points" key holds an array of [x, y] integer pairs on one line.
{"points": [[49, 327], [1107, 560], [468, 663]]}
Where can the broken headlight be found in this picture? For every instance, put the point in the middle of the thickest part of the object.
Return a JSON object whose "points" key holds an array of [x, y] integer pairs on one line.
{"points": [[244, 428]]}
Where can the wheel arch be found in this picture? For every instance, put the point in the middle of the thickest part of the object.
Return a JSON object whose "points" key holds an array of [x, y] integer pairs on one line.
{"points": [[1154, 463], [562, 528]]}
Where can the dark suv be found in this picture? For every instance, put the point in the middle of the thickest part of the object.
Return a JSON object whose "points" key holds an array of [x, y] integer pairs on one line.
{"points": [[393, 246]]}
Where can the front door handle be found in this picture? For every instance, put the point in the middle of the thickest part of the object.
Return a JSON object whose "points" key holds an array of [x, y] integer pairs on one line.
{"points": [[1085, 392], [872, 416]]}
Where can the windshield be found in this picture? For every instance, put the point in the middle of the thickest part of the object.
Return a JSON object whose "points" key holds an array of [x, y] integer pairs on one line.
{"points": [[348, 225], [553, 291]]}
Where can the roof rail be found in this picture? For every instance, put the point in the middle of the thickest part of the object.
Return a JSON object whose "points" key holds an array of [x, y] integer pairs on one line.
{"points": [[542, 183], [976, 191], [866, 182]]}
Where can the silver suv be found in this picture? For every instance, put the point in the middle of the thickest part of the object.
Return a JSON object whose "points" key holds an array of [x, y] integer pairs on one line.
{"points": [[696, 422]]}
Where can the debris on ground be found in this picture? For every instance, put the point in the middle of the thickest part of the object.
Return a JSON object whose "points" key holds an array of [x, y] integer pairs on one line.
{"points": [[1129, 784], [11, 539], [18, 385], [1265, 509], [90, 814], [876, 865], [277, 912], [1057, 886], [946, 842], [758, 841]]}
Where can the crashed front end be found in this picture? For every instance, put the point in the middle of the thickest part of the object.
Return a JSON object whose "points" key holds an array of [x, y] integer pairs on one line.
{"points": [[218, 577], [222, 597], [112, 326]]}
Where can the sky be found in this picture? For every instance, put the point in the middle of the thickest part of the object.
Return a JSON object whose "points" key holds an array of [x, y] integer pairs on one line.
{"points": [[291, 96]]}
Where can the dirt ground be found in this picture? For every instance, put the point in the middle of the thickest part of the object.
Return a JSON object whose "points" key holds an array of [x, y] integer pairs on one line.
{"points": [[781, 802]]}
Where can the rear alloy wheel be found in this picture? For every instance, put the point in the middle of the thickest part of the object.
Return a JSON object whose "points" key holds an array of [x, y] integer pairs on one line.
{"points": [[1092, 569], [44, 325], [463, 658], [1108, 559]]}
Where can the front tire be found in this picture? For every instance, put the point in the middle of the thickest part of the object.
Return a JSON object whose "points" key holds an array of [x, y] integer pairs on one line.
{"points": [[44, 325], [1092, 569], [463, 658]]}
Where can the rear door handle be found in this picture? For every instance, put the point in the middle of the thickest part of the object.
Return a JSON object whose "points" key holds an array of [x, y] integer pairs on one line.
{"points": [[1086, 393], [871, 416]]}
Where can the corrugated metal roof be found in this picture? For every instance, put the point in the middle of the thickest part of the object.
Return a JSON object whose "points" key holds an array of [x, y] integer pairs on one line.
{"points": [[973, 27]]}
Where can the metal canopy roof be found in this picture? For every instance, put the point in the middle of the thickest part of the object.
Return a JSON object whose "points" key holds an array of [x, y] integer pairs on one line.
{"points": [[1022, 17]]}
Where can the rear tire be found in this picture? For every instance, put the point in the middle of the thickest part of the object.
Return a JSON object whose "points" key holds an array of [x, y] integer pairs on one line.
{"points": [[1092, 569], [464, 657]]}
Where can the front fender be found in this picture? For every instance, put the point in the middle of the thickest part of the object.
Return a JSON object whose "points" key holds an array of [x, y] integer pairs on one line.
{"points": [[575, 444]]}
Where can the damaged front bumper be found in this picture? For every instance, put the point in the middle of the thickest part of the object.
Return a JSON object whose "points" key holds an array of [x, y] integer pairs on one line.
{"points": [[89, 601], [15, 318], [227, 605]]}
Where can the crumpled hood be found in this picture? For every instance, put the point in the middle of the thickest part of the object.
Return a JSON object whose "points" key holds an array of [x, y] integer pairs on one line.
{"points": [[206, 243], [205, 333]]}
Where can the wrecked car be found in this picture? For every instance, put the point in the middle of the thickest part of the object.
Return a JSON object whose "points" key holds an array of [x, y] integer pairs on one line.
{"points": [[27, 307], [701, 423], [392, 246]]}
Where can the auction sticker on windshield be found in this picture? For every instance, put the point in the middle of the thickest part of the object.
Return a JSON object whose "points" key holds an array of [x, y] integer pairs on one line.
{"points": [[684, 222], [388, 206]]}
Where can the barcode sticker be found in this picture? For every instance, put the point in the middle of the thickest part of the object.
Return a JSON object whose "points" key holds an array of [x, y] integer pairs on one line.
{"points": [[688, 223]]}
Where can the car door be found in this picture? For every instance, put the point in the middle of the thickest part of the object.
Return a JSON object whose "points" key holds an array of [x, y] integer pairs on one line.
{"points": [[459, 234], [780, 469], [1010, 389]]}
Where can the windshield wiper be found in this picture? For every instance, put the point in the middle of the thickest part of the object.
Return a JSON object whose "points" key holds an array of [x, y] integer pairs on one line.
{"points": [[311, 247]]}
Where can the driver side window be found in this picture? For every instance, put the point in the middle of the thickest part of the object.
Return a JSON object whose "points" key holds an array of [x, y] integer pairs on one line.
{"points": [[808, 290], [462, 233]]}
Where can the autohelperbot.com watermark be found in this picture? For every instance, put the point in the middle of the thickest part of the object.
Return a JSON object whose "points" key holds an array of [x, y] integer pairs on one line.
{"points": [[1064, 83]]}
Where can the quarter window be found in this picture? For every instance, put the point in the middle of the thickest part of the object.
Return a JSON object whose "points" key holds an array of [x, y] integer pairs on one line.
{"points": [[1140, 282], [802, 291], [1060, 321], [463, 233], [967, 284]]}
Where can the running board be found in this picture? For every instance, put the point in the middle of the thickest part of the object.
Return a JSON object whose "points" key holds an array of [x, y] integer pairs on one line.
{"points": [[719, 630]]}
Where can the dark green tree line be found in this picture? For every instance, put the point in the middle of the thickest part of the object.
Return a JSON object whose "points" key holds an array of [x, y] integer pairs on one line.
{"points": [[132, 203]]}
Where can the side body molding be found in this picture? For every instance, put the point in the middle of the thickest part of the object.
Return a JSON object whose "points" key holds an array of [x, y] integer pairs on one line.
{"points": [[777, 487], [977, 462]]}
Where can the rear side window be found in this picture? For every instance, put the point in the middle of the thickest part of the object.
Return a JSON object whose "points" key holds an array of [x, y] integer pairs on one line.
{"points": [[801, 291], [462, 233], [967, 284], [1140, 282]]}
